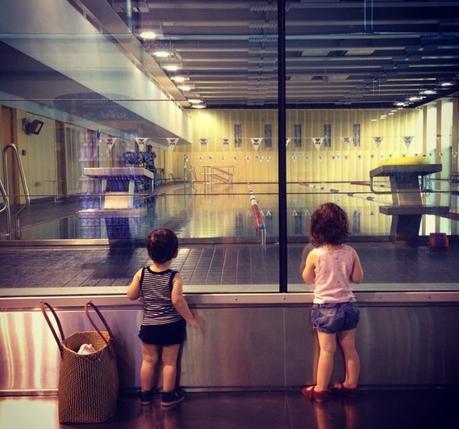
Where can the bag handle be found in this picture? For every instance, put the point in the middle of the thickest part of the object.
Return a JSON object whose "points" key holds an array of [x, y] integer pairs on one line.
{"points": [[86, 310], [45, 305]]}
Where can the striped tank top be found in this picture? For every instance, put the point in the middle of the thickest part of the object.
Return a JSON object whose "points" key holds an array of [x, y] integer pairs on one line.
{"points": [[156, 288]]}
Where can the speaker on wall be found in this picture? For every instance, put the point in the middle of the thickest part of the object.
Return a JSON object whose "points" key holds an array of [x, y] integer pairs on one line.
{"points": [[33, 127]]}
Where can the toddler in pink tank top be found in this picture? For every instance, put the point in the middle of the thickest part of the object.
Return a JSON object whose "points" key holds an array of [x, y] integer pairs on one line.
{"points": [[332, 266]]}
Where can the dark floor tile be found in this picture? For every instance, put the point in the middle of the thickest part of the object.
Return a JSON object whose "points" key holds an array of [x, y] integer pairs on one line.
{"points": [[402, 409], [395, 409], [231, 411]]}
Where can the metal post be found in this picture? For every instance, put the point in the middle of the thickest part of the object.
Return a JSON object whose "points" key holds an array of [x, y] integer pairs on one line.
{"points": [[282, 170]]}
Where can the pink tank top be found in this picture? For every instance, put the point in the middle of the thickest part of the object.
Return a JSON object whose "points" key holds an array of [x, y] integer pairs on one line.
{"points": [[333, 275]]}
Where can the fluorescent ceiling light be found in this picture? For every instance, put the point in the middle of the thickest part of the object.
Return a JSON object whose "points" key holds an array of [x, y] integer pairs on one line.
{"points": [[162, 53], [198, 106], [446, 84], [179, 79], [171, 67], [148, 35], [194, 100], [428, 92], [186, 87], [383, 116], [400, 104], [415, 98]]}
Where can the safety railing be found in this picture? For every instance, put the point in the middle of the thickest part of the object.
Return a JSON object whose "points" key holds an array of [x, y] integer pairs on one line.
{"points": [[222, 174], [5, 207], [5, 190]]}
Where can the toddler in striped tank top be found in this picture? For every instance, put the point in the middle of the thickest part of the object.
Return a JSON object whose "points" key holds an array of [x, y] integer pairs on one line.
{"points": [[165, 315]]}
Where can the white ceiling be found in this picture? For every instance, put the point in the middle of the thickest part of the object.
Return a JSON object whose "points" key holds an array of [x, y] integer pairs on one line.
{"points": [[359, 53]]}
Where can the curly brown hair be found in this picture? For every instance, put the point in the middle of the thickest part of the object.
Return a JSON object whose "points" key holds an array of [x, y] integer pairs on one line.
{"points": [[329, 225], [162, 245]]}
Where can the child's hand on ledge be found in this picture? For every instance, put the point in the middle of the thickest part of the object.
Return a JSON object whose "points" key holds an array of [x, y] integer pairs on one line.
{"points": [[197, 322]]}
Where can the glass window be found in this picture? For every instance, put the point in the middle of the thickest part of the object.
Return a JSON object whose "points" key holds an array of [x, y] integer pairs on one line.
{"points": [[169, 122], [172, 121], [365, 131]]}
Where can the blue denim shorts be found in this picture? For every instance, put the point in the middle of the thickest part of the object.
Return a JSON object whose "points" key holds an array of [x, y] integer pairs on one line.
{"points": [[332, 318]]}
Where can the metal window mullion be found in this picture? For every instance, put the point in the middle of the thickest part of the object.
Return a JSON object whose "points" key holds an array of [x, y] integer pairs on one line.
{"points": [[281, 112]]}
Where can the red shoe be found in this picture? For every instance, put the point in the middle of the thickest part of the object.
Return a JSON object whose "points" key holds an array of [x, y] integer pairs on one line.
{"points": [[313, 395], [345, 392]]}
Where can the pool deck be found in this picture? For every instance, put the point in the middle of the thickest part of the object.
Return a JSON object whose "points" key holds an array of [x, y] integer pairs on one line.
{"points": [[224, 268]]}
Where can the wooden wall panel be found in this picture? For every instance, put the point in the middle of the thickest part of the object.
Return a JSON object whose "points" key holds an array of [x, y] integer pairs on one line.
{"points": [[8, 135]]}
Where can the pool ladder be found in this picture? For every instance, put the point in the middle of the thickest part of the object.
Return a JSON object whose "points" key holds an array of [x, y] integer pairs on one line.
{"points": [[4, 191]]}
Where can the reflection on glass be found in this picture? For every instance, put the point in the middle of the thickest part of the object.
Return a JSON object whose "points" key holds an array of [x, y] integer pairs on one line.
{"points": [[112, 146]]}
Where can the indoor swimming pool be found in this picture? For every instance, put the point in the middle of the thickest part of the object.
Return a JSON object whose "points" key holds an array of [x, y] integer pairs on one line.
{"points": [[220, 247], [222, 212]]}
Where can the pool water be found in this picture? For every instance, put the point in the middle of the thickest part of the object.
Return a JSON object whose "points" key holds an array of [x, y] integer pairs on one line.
{"points": [[223, 211]]}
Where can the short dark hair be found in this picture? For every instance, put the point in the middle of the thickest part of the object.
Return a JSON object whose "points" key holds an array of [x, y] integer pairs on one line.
{"points": [[329, 225], [162, 245]]}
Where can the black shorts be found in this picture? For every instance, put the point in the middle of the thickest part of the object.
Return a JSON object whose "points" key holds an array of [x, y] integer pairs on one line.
{"points": [[164, 335]]}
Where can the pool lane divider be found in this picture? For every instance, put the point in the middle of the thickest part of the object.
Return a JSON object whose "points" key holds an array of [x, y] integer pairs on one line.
{"points": [[337, 191], [257, 216]]}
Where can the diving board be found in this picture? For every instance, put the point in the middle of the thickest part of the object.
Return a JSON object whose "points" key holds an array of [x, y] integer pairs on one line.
{"points": [[407, 186]]}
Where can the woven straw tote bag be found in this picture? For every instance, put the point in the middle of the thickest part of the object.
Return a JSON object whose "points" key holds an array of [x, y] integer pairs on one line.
{"points": [[88, 383]]}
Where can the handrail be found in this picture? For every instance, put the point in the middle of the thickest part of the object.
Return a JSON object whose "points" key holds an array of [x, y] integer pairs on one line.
{"points": [[221, 170], [5, 197], [21, 170], [6, 206], [216, 176], [25, 187], [209, 171]]}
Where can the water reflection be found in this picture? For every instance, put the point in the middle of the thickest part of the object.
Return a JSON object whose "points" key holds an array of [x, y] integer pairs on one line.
{"points": [[209, 215], [336, 415], [153, 416]]}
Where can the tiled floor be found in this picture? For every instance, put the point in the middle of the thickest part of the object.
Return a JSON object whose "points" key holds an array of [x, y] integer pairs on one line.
{"points": [[219, 265], [389, 409]]}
